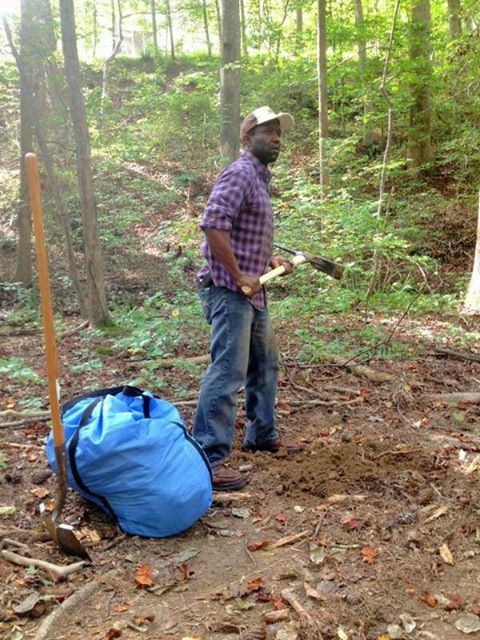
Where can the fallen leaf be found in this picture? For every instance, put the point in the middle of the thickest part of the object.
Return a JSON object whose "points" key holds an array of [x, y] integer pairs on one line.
{"points": [[279, 603], [446, 554], [8, 511], [121, 608], [182, 572], [476, 609], [255, 546], [311, 592], [280, 517], [143, 619], [428, 599], [352, 523], [456, 602], [253, 585], [441, 511], [27, 604], [342, 634], [113, 633], [369, 554], [186, 555], [317, 553], [144, 576]]}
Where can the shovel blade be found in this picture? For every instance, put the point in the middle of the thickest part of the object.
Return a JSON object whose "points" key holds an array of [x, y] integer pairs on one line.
{"points": [[64, 536]]}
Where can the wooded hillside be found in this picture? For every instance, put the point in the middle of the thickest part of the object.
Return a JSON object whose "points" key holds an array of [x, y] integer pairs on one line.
{"points": [[132, 108]]}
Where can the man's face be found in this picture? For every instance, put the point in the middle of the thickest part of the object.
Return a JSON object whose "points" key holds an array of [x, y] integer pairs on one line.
{"points": [[264, 141]]}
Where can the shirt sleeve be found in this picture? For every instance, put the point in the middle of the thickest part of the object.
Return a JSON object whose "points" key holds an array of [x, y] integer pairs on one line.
{"points": [[227, 199]]}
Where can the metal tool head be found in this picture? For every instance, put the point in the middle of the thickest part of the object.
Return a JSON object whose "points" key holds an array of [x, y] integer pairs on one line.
{"points": [[331, 268], [64, 536]]}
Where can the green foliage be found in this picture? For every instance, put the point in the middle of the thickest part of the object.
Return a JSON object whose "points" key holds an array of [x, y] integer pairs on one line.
{"points": [[16, 369]]}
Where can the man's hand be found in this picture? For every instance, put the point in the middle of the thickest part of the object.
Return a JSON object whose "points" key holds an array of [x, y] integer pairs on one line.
{"points": [[278, 261], [251, 283]]}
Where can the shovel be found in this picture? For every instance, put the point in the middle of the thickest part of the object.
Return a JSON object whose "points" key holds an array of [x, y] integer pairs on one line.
{"points": [[62, 534]]}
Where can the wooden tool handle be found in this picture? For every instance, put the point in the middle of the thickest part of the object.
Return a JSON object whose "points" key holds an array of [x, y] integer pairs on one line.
{"points": [[278, 271], [33, 179]]}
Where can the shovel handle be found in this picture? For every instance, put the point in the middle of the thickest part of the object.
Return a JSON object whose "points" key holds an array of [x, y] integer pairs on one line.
{"points": [[33, 179], [300, 258]]}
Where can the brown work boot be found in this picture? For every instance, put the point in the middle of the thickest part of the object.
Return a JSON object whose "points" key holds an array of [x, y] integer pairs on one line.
{"points": [[273, 447], [224, 479]]}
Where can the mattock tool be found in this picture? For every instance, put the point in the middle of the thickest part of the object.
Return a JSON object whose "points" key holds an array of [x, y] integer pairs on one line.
{"points": [[331, 268]]}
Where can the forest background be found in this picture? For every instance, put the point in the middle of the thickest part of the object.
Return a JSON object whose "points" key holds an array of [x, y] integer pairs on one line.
{"points": [[380, 171]]}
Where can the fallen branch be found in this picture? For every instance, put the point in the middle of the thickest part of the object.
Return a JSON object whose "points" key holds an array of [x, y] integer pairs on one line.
{"points": [[281, 542], [457, 355], [11, 413], [22, 423], [310, 624], [56, 571], [340, 498], [72, 332], [226, 497], [468, 397], [400, 452]]}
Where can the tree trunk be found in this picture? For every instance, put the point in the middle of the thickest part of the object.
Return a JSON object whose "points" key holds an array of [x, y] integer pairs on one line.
{"points": [[230, 81], [420, 143], [454, 22], [97, 303], [299, 20], [111, 57], [153, 10], [219, 23], [322, 92], [243, 23], [205, 26], [114, 24], [362, 67], [95, 29], [168, 11], [23, 268], [472, 299]]}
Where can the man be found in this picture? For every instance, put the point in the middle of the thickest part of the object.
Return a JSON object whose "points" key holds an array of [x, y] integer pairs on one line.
{"points": [[238, 225]]}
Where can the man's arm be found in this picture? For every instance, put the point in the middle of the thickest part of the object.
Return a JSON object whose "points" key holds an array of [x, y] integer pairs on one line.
{"points": [[221, 247]]}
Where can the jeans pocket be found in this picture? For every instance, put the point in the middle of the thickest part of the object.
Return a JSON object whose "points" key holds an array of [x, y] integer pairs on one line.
{"points": [[205, 295]]}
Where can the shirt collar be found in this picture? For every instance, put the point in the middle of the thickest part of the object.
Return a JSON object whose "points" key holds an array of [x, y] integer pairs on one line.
{"points": [[263, 172]]}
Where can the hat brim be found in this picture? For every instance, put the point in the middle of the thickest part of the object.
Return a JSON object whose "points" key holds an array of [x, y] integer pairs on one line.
{"points": [[285, 119]]}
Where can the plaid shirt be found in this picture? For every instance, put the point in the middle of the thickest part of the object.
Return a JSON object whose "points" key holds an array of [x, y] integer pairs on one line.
{"points": [[240, 204]]}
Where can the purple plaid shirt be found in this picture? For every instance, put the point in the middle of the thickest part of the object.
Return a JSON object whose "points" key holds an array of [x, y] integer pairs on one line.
{"points": [[240, 204]]}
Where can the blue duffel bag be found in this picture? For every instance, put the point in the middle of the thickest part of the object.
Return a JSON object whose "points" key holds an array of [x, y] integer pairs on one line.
{"points": [[128, 452]]}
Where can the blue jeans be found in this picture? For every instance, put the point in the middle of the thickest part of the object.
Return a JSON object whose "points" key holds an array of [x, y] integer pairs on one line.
{"points": [[243, 352]]}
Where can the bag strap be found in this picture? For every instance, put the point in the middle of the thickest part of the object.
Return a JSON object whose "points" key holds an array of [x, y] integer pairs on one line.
{"points": [[98, 396]]}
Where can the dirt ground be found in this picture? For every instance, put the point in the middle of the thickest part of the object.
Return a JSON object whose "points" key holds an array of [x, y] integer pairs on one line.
{"points": [[376, 521]]}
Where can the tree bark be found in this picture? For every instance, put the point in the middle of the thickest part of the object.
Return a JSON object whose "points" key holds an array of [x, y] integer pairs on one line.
{"points": [[299, 20], [111, 57], [420, 143], [243, 23], [24, 268], [472, 299], [230, 81], [153, 10], [454, 21], [97, 303], [205, 27], [168, 10], [322, 92], [362, 67], [219, 23]]}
